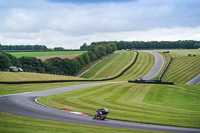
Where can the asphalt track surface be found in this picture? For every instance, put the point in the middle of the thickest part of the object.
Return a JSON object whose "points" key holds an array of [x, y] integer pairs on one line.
{"points": [[194, 81], [157, 67], [25, 104]]}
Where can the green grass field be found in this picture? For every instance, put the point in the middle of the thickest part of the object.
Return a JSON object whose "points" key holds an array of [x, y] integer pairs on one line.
{"points": [[155, 104], [25, 76], [111, 66], [184, 52], [183, 68], [18, 124], [143, 65], [48, 53]]}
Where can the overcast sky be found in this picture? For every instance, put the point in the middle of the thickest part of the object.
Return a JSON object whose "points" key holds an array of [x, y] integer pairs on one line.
{"points": [[70, 23]]}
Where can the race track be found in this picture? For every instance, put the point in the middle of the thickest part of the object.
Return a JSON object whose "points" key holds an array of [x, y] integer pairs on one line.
{"points": [[25, 104], [157, 67], [194, 81]]}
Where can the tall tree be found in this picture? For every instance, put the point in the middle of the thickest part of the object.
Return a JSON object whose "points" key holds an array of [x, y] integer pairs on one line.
{"points": [[81, 61], [84, 47], [93, 57], [102, 50], [58, 49], [86, 58], [197, 45], [31, 64], [113, 46], [5, 62], [13, 60], [109, 49]]}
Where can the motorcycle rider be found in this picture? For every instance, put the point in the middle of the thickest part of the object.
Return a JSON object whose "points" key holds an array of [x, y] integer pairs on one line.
{"points": [[101, 111]]}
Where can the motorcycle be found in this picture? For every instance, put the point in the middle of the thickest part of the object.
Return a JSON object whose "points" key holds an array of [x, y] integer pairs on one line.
{"points": [[101, 116]]}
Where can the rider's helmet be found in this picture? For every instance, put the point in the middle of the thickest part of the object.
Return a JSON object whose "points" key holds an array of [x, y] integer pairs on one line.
{"points": [[105, 109]]}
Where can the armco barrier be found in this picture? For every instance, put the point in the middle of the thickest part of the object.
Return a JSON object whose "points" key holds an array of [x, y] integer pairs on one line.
{"points": [[56, 81], [151, 82], [165, 69]]}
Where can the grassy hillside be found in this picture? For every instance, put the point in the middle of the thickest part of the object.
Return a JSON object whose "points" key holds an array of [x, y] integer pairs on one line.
{"points": [[117, 63], [111, 66], [156, 104], [25, 76], [18, 124], [183, 68], [184, 52], [46, 53], [143, 65]]}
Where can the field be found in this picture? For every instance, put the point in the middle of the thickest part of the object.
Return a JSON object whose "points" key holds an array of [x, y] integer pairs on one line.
{"points": [[6, 89], [25, 76], [112, 66], [143, 65], [183, 68], [105, 69], [155, 104], [49, 54]]}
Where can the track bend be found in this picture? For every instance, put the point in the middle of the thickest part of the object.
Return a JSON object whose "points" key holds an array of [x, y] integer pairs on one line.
{"points": [[25, 104], [157, 67], [194, 81]]}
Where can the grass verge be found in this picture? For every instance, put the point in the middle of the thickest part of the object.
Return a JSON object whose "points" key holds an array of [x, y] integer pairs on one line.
{"points": [[25, 76], [19, 124], [6, 89]]}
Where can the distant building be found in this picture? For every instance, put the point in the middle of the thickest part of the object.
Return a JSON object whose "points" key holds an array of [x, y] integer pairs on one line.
{"points": [[15, 69]]}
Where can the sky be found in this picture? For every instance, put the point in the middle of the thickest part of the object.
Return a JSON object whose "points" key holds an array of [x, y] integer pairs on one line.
{"points": [[70, 23]]}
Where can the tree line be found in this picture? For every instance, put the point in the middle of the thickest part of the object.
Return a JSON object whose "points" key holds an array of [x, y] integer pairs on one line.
{"points": [[56, 65], [23, 48], [29, 48], [181, 44]]}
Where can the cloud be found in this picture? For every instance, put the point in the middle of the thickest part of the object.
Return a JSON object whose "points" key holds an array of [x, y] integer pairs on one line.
{"points": [[87, 1], [50, 38], [51, 23]]}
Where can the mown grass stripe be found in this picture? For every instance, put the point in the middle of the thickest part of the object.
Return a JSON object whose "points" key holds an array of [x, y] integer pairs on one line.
{"points": [[142, 66], [105, 69], [182, 69], [139, 103]]}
